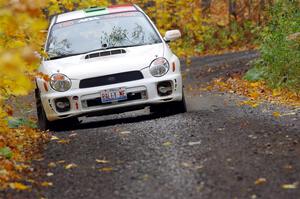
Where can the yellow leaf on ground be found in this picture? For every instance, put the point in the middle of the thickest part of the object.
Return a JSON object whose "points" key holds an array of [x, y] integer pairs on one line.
{"points": [[52, 164], [50, 174], [18, 186], [276, 92], [106, 169], [255, 84], [167, 143], [47, 184], [276, 114], [63, 141], [254, 95], [290, 186], [102, 161], [260, 181], [54, 137], [61, 161], [70, 166]]}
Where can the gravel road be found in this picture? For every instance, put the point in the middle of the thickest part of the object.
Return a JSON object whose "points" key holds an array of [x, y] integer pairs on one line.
{"points": [[216, 150]]}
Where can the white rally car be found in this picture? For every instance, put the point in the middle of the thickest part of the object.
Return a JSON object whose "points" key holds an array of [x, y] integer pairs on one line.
{"points": [[105, 60]]}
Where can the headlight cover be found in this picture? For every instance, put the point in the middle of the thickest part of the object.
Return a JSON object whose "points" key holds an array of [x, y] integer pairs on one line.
{"points": [[60, 82], [159, 67]]}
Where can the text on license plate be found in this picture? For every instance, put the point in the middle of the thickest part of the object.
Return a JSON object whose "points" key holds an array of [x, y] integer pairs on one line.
{"points": [[113, 95]]}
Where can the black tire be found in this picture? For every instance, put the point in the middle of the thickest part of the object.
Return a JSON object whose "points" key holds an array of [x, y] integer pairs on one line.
{"points": [[180, 107], [43, 123], [170, 108], [68, 123]]}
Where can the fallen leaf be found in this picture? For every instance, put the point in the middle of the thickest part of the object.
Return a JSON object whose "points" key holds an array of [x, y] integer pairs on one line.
{"points": [[254, 95], [260, 181], [18, 186], [145, 177], [276, 92], [70, 166], [254, 105], [47, 184], [102, 161], [49, 174], [276, 114], [61, 161], [253, 196], [194, 143], [106, 169], [167, 144], [52, 164], [290, 113], [125, 132], [63, 141], [30, 180], [185, 164], [290, 186], [73, 135], [54, 137]]}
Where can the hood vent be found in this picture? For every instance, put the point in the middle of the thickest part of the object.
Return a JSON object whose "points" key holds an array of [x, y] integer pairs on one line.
{"points": [[105, 53]]}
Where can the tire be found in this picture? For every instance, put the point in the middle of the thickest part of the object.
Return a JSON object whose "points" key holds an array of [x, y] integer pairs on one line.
{"points": [[170, 108], [180, 107], [43, 123], [65, 124]]}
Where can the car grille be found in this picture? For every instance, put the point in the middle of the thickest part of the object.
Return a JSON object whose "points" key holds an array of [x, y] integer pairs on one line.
{"points": [[111, 79]]}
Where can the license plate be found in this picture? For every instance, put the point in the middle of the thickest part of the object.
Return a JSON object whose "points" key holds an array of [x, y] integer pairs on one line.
{"points": [[113, 95]]}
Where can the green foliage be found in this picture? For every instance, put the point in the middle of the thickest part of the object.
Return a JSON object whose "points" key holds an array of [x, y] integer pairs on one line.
{"points": [[280, 54], [21, 122], [255, 74], [6, 152]]}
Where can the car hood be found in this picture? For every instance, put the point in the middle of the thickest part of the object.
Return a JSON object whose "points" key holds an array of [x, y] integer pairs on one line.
{"points": [[77, 67]]}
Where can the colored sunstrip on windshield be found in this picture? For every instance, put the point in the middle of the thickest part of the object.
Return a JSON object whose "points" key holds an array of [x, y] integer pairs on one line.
{"points": [[109, 10]]}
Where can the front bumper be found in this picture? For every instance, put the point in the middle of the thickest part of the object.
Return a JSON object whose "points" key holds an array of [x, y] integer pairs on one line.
{"points": [[146, 88]]}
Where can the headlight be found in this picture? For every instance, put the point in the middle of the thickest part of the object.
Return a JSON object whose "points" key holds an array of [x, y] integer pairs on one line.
{"points": [[60, 82], [159, 67]]}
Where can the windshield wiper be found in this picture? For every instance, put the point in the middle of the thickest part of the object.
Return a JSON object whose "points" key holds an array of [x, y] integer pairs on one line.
{"points": [[113, 47], [64, 56]]}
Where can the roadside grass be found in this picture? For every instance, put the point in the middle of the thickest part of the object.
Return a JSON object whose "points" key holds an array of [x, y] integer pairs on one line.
{"points": [[279, 62]]}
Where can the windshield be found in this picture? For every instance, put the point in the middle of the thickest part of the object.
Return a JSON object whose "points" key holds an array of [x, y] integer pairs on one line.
{"points": [[100, 32]]}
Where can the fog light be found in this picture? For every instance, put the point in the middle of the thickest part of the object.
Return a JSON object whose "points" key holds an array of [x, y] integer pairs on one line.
{"points": [[62, 105], [164, 88]]}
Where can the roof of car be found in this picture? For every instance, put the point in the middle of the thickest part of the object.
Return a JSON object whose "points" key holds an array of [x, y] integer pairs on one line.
{"points": [[93, 11]]}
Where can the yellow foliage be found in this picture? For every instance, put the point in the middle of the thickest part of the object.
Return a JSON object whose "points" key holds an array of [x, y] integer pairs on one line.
{"points": [[258, 91], [18, 186], [21, 23]]}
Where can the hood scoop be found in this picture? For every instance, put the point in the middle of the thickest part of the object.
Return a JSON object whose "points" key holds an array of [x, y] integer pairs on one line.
{"points": [[105, 53]]}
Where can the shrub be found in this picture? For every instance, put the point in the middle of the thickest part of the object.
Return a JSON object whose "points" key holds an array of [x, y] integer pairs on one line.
{"points": [[279, 63]]}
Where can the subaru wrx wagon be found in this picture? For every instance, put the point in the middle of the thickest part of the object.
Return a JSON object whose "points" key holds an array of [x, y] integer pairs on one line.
{"points": [[105, 60]]}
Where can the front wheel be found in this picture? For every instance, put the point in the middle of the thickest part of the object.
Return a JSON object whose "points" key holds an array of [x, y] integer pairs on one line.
{"points": [[170, 108], [180, 107], [43, 123]]}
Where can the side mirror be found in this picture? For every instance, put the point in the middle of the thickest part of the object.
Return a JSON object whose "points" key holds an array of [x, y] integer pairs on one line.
{"points": [[172, 35]]}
